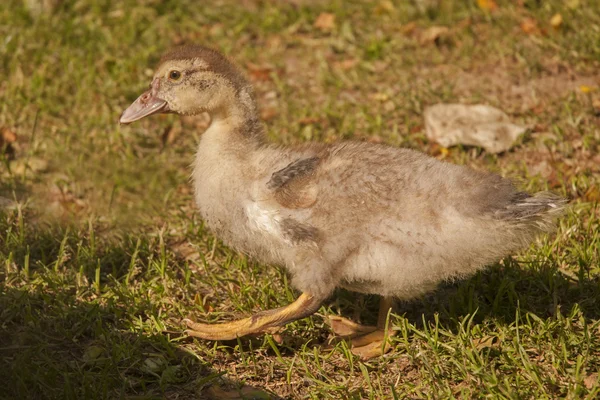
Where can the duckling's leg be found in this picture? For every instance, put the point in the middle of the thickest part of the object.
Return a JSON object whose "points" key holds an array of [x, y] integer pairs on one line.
{"points": [[264, 321], [367, 341]]}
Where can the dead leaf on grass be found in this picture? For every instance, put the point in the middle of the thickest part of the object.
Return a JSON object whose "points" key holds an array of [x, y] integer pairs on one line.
{"points": [[485, 342], [246, 392], [385, 7], [409, 28], [92, 353], [204, 303], [586, 89], [268, 113], [529, 26], [434, 34], [473, 125], [309, 121], [590, 380], [592, 194], [487, 5], [7, 142], [346, 64], [556, 21], [186, 250], [30, 165], [325, 22], [7, 135], [259, 72]]}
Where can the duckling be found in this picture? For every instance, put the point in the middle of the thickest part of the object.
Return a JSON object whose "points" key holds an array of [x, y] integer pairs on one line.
{"points": [[367, 217]]}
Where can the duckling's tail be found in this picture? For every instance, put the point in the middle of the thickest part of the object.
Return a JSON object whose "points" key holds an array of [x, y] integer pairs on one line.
{"points": [[536, 213]]}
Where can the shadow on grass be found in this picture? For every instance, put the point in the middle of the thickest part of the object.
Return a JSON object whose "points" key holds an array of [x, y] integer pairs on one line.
{"points": [[54, 346], [497, 292], [61, 337]]}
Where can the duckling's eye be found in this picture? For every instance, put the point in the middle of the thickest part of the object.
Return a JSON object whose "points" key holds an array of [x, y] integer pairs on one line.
{"points": [[174, 75]]}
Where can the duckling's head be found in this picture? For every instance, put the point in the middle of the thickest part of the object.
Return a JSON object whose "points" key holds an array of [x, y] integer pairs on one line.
{"points": [[190, 80]]}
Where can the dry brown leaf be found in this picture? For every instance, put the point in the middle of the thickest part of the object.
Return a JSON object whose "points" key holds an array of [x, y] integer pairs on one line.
{"points": [[409, 29], [433, 34], [325, 22], [32, 165], [278, 338], [487, 5], [259, 72], [186, 250], [268, 113], [309, 121], [385, 7], [7, 138], [379, 96], [347, 64], [556, 21], [590, 380], [592, 194], [246, 392], [485, 342], [529, 26]]}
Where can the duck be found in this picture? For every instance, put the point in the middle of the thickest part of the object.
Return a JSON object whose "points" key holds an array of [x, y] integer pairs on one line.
{"points": [[370, 218]]}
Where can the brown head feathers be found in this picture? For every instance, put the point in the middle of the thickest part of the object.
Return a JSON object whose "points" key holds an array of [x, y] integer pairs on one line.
{"points": [[209, 59]]}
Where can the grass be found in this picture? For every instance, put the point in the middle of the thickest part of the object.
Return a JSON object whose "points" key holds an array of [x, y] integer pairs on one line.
{"points": [[102, 252]]}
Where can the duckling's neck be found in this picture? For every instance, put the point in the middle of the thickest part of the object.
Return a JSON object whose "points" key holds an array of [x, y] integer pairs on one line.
{"points": [[224, 164], [238, 121]]}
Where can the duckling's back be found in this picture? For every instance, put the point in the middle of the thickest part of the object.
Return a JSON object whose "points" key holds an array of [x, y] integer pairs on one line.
{"points": [[398, 221]]}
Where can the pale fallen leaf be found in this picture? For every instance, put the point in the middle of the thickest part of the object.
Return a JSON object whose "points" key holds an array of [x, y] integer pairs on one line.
{"points": [[379, 96], [385, 6], [473, 125], [556, 21], [485, 342], [153, 365], [186, 250], [434, 33], [92, 353], [325, 22], [32, 164], [246, 392]]}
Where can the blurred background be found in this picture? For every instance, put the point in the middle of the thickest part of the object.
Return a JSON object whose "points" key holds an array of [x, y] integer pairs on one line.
{"points": [[102, 252]]}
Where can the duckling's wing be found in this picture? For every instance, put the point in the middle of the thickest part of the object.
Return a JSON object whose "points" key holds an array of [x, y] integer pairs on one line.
{"points": [[293, 186]]}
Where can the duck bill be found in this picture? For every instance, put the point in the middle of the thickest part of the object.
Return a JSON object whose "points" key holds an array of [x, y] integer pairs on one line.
{"points": [[146, 104]]}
